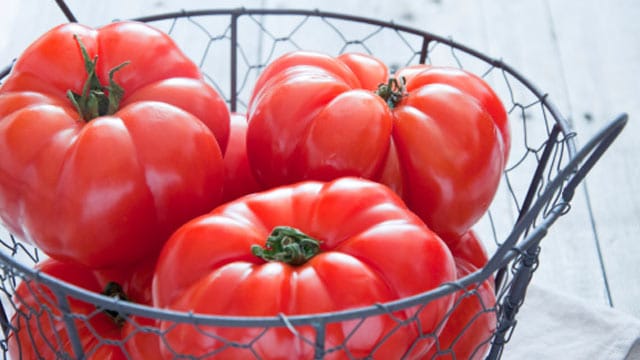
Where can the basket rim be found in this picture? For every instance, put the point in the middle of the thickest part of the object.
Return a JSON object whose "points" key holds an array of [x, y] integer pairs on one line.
{"points": [[318, 320], [235, 13]]}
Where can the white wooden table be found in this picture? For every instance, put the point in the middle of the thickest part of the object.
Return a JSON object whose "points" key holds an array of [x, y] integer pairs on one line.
{"points": [[584, 54]]}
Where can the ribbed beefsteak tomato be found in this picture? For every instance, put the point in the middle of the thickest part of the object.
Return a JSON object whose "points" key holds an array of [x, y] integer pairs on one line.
{"points": [[239, 179], [109, 140], [472, 322], [437, 136], [306, 248], [39, 330], [471, 248], [470, 326]]}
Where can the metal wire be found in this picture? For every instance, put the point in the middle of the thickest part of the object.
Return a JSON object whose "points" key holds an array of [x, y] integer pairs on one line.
{"points": [[544, 169]]}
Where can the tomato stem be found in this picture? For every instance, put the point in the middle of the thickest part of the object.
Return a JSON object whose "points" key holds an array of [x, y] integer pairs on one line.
{"points": [[114, 290], [393, 91], [288, 245], [96, 100]]}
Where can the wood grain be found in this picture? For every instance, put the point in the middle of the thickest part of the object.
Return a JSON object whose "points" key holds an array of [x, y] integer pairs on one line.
{"points": [[583, 54]]}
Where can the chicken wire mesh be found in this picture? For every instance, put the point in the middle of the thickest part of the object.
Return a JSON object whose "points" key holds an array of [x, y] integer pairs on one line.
{"points": [[51, 317]]}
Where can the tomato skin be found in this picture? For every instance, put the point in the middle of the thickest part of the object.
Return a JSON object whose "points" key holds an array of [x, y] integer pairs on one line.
{"points": [[39, 324], [472, 322], [468, 331], [370, 71], [450, 154], [140, 342], [469, 83], [471, 249], [239, 178], [193, 96], [438, 147], [283, 66], [108, 192], [134, 280], [274, 140], [369, 242]]}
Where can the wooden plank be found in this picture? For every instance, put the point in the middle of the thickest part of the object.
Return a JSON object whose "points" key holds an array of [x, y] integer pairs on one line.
{"points": [[553, 43], [457, 21], [15, 36], [204, 39], [522, 43], [497, 37], [600, 55], [523, 34]]}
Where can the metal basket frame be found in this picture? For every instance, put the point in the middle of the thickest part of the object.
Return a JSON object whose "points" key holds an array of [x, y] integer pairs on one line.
{"points": [[512, 264]]}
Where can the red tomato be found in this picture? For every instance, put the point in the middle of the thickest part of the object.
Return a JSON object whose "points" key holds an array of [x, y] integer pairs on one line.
{"points": [[239, 179], [39, 330], [469, 83], [194, 96], [135, 280], [471, 249], [470, 326], [142, 338], [106, 185], [436, 143], [370, 249], [468, 331]]}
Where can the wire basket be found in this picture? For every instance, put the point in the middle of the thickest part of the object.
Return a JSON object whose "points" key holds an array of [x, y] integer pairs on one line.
{"points": [[232, 47]]}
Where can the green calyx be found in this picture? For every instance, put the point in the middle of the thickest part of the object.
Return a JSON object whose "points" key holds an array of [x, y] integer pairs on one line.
{"points": [[114, 290], [392, 92], [288, 245], [96, 100]]}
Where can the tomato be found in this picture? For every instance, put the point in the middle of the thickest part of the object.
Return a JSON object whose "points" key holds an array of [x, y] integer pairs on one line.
{"points": [[134, 280], [142, 339], [469, 83], [38, 328], [469, 328], [101, 175], [310, 247], [471, 249], [472, 322], [437, 143], [239, 179]]}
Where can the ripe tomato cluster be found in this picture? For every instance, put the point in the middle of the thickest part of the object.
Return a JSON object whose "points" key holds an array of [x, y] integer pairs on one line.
{"points": [[342, 186]]}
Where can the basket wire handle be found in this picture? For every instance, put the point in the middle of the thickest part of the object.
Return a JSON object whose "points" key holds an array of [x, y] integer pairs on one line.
{"points": [[514, 298], [528, 247], [595, 147], [600, 142], [533, 188], [67, 12]]}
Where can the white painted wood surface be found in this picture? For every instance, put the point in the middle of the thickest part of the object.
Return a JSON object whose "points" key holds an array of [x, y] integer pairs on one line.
{"points": [[584, 54]]}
